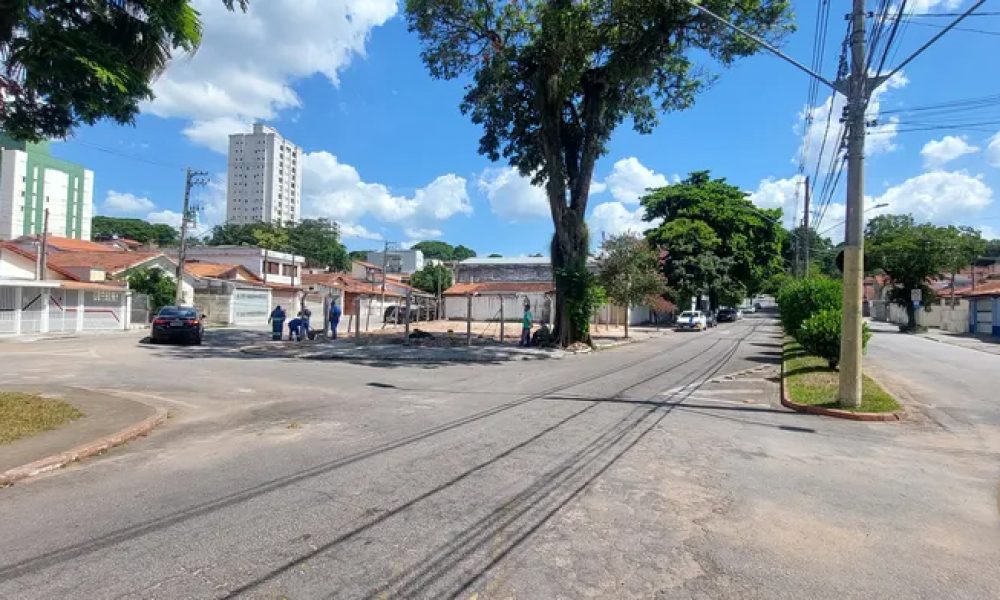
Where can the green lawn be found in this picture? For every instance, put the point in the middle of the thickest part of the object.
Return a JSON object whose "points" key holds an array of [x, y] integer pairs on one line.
{"points": [[809, 380], [24, 414]]}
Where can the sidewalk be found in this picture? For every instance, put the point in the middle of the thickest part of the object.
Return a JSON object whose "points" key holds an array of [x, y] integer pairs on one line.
{"points": [[981, 343], [107, 422]]}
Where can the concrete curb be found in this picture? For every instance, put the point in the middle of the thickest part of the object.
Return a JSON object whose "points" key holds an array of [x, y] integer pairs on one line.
{"points": [[831, 412], [57, 461]]}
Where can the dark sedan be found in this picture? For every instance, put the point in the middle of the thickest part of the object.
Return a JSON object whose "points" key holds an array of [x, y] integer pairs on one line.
{"points": [[728, 315], [177, 324]]}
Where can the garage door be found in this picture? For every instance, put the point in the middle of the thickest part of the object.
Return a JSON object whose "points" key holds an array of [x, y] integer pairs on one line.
{"points": [[251, 307], [984, 316]]}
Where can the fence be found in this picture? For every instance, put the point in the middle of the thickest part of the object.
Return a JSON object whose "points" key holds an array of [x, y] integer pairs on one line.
{"points": [[141, 313], [47, 307]]}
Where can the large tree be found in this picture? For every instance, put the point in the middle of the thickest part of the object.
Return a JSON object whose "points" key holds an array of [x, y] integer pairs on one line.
{"points": [[629, 271], [552, 79], [911, 255], [433, 279], [731, 246], [107, 228], [66, 62], [316, 240]]}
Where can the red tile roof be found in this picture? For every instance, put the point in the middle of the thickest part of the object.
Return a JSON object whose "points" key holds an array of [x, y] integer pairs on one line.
{"points": [[33, 257], [345, 282], [501, 287], [219, 270], [110, 262], [69, 245], [990, 287]]}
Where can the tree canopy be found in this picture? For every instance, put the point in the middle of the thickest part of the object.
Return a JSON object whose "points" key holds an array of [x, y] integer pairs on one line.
{"points": [[160, 287], [316, 240], [550, 81], [67, 62], [107, 228], [912, 254], [715, 240], [432, 279], [438, 250], [629, 271]]}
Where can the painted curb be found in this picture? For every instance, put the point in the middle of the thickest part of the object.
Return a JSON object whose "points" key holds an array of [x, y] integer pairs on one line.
{"points": [[57, 461], [832, 412]]}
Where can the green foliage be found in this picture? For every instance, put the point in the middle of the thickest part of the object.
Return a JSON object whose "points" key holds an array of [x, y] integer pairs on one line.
{"points": [[819, 335], [800, 299], [438, 250], [160, 287], [992, 248], [106, 228], [822, 253], [629, 270], [432, 279], [359, 254], [495, 255], [549, 82], [581, 299], [912, 254], [314, 239], [717, 241], [67, 62]]}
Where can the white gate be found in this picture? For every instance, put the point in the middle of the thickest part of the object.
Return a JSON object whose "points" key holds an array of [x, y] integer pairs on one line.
{"points": [[984, 316], [32, 307], [103, 310], [8, 310], [63, 310], [251, 307]]}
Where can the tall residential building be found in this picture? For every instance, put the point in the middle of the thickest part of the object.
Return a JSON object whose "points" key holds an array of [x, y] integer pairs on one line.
{"points": [[265, 178], [32, 180]]}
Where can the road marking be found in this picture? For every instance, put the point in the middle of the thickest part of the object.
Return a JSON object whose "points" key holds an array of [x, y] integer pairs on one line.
{"points": [[126, 393]]}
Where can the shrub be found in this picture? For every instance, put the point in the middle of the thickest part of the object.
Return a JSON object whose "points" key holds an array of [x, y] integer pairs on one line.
{"points": [[802, 298], [819, 335]]}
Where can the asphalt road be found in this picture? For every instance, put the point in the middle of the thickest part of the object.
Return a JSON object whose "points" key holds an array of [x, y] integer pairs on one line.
{"points": [[638, 472]]}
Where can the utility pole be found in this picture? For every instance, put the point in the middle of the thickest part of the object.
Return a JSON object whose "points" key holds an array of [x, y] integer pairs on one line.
{"points": [[191, 179], [807, 241], [850, 336], [43, 249]]}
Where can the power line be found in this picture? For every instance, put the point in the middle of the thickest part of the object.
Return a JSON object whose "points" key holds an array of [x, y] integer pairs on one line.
{"points": [[931, 15], [934, 39], [965, 29], [892, 37], [131, 156]]}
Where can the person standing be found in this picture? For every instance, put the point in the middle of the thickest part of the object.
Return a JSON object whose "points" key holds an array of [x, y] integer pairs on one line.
{"points": [[335, 313], [526, 326], [277, 321], [305, 327]]}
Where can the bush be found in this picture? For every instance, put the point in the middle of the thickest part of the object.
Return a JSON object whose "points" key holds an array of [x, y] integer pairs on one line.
{"points": [[802, 298], [819, 335]]}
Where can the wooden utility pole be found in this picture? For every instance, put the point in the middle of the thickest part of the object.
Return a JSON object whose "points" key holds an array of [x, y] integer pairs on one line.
{"points": [[191, 179], [807, 241]]}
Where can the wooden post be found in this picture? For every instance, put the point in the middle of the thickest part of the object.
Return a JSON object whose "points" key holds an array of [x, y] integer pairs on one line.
{"points": [[406, 320], [468, 321], [357, 328], [501, 319]]}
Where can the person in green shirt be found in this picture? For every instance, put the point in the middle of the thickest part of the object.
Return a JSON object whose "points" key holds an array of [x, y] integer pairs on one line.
{"points": [[526, 326]]}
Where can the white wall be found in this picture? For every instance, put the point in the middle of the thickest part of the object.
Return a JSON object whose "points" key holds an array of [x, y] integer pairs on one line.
{"points": [[487, 307], [12, 171]]}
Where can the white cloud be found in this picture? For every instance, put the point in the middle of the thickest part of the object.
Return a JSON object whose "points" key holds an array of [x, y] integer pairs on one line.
{"points": [[629, 180], [940, 197], [937, 153], [597, 187], [993, 151], [881, 138], [123, 203], [247, 63], [421, 233], [614, 217], [357, 232], [167, 217], [512, 196], [214, 133], [781, 193], [923, 6], [336, 191]]}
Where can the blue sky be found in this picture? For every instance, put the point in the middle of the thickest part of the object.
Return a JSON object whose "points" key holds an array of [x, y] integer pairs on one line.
{"points": [[389, 155]]}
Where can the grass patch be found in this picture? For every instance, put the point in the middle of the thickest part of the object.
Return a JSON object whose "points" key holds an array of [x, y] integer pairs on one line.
{"points": [[24, 414], [810, 380]]}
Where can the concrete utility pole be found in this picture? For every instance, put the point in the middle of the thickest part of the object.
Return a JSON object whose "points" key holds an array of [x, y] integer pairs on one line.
{"points": [[191, 179], [805, 232], [43, 249], [850, 337]]}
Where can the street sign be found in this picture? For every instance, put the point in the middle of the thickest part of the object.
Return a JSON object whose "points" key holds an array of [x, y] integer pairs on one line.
{"points": [[916, 295]]}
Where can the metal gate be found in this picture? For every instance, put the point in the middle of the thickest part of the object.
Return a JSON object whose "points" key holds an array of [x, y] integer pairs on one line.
{"points": [[251, 307], [31, 310], [141, 309], [8, 310], [63, 310], [103, 310]]}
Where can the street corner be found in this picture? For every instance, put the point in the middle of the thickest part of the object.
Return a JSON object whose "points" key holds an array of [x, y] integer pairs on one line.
{"points": [[106, 421]]}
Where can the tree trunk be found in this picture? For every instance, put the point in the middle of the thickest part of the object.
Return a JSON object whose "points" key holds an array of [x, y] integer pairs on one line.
{"points": [[570, 247], [911, 317]]}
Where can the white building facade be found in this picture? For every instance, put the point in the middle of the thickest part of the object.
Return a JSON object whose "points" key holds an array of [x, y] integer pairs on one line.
{"points": [[264, 178], [270, 266], [404, 262], [32, 180]]}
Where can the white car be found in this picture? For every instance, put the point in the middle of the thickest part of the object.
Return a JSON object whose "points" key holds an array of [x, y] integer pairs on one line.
{"points": [[692, 319]]}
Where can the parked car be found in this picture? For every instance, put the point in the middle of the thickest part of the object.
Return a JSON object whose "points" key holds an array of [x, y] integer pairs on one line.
{"points": [[178, 323], [691, 319], [416, 314], [728, 315]]}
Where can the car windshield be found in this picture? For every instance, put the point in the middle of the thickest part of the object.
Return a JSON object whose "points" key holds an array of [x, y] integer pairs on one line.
{"points": [[688, 314], [178, 312]]}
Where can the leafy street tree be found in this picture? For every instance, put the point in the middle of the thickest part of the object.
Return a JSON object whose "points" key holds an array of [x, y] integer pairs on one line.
{"points": [[745, 240], [629, 271], [438, 250], [314, 239], [992, 248], [358, 254], [911, 255], [822, 254], [160, 287], [550, 81], [66, 62], [966, 244], [432, 279], [495, 255], [106, 228]]}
